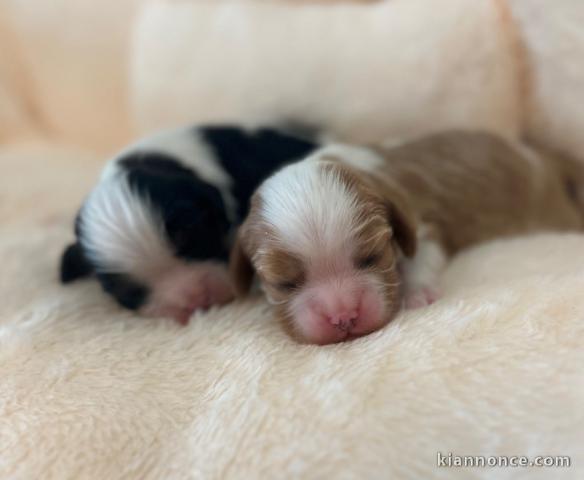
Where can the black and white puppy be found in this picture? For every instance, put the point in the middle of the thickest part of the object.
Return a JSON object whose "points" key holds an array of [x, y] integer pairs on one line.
{"points": [[157, 229]]}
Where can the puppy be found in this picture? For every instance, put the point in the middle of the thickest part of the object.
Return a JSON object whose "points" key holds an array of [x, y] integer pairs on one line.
{"points": [[157, 229], [340, 240]]}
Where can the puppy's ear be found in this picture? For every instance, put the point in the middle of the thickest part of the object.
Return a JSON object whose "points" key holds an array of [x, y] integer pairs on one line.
{"points": [[74, 265], [400, 214], [241, 269], [403, 223]]}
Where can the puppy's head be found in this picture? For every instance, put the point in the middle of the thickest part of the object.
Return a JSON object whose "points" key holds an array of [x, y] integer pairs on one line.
{"points": [[156, 237], [324, 239]]}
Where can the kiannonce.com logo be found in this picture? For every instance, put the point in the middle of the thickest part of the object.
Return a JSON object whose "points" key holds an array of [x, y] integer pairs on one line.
{"points": [[482, 461]]}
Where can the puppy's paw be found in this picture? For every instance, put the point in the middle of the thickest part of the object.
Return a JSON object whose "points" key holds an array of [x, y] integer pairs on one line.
{"points": [[421, 297]]}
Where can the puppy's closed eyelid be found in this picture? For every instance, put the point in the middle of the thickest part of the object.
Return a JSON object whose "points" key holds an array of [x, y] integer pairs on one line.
{"points": [[288, 286], [367, 261], [280, 270]]}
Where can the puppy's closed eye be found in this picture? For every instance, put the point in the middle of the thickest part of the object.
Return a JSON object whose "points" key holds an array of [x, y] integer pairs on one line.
{"points": [[281, 271], [368, 261], [288, 286]]}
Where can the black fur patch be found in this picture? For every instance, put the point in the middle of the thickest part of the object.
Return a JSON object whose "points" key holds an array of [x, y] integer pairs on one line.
{"points": [[127, 292], [192, 210], [250, 157], [74, 265]]}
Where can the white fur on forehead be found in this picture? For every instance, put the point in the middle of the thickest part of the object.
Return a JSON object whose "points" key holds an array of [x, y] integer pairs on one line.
{"points": [[309, 207], [121, 232]]}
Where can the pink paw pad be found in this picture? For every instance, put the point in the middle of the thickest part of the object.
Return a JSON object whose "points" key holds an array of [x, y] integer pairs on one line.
{"points": [[421, 297]]}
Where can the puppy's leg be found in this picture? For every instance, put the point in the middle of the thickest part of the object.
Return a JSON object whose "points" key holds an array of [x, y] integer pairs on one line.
{"points": [[420, 274]]}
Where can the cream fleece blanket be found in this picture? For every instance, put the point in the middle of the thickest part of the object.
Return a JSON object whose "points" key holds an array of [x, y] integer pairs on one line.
{"points": [[91, 391]]}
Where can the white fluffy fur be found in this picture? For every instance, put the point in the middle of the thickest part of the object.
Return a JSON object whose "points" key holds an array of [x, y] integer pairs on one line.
{"points": [[303, 224], [121, 230]]}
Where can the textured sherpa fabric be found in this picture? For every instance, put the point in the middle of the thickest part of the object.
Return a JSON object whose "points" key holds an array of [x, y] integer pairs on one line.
{"points": [[90, 391]]}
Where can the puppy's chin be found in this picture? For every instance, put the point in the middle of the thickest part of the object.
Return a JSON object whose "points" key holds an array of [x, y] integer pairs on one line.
{"points": [[311, 327], [185, 288]]}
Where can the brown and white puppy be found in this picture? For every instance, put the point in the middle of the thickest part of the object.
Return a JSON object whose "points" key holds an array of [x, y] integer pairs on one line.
{"points": [[342, 239]]}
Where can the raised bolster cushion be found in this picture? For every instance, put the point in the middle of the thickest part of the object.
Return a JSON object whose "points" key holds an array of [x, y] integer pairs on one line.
{"points": [[367, 70]]}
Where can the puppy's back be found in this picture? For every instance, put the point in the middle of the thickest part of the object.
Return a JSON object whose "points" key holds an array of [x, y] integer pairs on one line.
{"points": [[475, 186]]}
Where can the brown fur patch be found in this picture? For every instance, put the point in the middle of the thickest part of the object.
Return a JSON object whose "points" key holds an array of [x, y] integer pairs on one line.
{"points": [[471, 187]]}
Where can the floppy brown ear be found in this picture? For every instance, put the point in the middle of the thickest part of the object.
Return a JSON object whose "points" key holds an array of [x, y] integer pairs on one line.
{"points": [[400, 215], [403, 223], [241, 269]]}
